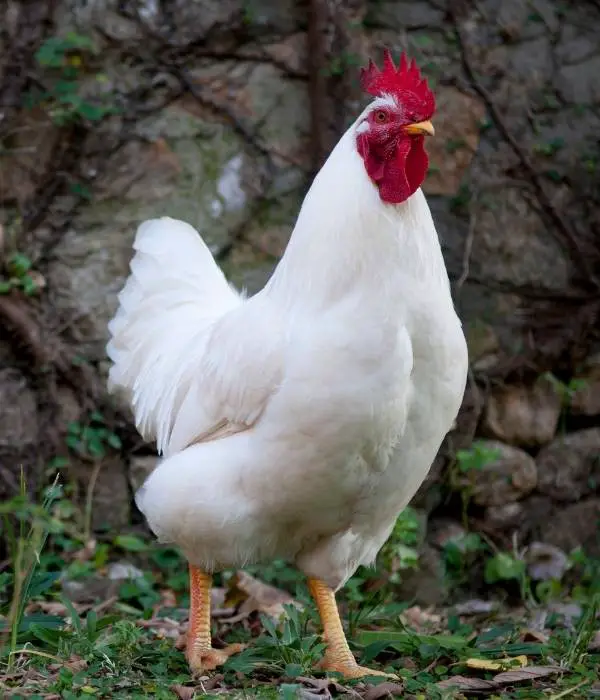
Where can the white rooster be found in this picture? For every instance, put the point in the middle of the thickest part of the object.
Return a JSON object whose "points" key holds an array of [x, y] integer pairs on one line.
{"points": [[298, 423]]}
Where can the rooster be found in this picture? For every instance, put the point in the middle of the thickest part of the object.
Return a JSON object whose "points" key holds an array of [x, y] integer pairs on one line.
{"points": [[298, 423]]}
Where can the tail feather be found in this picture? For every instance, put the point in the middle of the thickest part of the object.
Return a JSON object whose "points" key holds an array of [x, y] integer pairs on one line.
{"points": [[172, 298]]}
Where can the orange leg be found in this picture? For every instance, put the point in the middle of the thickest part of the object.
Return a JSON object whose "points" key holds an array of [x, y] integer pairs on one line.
{"points": [[199, 652], [338, 657]]}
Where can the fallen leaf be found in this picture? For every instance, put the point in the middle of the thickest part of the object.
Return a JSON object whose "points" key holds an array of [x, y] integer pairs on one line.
{"points": [[163, 627], [465, 683], [255, 595], [323, 683], [498, 665], [545, 561], [208, 684], [383, 690], [183, 692], [74, 663], [420, 619], [531, 635], [526, 674]]}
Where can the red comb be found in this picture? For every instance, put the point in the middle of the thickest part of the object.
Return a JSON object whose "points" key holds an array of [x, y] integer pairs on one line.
{"points": [[393, 81]]}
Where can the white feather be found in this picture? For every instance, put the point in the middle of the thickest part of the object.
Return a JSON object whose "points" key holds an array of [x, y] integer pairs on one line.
{"points": [[175, 342], [318, 405]]}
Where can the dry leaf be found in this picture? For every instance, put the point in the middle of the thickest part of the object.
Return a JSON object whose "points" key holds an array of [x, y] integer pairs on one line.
{"points": [[420, 619], [74, 663], [464, 683], [383, 690], [526, 674], [183, 692], [498, 665], [323, 683], [530, 635], [255, 595]]}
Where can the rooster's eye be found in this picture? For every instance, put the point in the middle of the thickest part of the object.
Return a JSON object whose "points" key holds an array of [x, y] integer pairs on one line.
{"points": [[381, 117]]}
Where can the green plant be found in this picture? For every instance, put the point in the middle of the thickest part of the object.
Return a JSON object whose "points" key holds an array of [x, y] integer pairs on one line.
{"points": [[400, 551], [460, 202], [288, 648], [25, 529], [453, 145], [93, 439], [463, 468], [20, 275], [63, 94], [339, 64], [549, 148]]}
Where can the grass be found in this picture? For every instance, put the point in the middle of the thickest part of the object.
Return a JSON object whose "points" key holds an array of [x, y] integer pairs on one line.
{"points": [[68, 630]]}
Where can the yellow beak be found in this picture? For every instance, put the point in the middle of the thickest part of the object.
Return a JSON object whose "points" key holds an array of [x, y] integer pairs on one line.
{"points": [[420, 128]]}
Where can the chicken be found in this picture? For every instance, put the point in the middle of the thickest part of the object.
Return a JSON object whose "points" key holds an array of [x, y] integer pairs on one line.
{"points": [[298, 423]]}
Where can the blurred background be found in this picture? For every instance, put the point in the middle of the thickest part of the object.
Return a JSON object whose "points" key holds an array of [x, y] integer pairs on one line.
{"points": [[221, 113]]}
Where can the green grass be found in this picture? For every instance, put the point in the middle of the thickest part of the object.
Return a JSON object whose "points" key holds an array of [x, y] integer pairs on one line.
{"points": [[123, 641]]}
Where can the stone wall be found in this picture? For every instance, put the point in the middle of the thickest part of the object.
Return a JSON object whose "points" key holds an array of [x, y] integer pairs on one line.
{"points": [[211, 112]]}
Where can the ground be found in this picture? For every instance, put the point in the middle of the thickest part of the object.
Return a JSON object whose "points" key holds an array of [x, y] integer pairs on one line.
{"points": [[106, 618]]}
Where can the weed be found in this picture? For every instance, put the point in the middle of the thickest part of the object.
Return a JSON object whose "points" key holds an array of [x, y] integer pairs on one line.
{"points": [[462, 471], [63, 92], [20, 275]]}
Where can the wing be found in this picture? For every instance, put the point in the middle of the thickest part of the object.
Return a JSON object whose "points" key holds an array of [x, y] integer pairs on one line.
{"points": [[194, 359]]}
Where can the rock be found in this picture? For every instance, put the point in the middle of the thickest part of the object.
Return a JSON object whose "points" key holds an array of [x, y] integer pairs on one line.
{"points": [[68, 405], [442, 531], [537, 510], [523, 415], [404, 15], [122, 571], [528, 255], [483, 344], [110, 491], [90, 590], [426, 585], [575, 46], [580, 83], [569, 612], [26, 155], [585, 400], [545, 561], [506, 478], [457, 125], [569, 468], [505, 517], [140, 469], [190, 168], [574, 526], [19, 423], [430, 494], [476, 606], [512, 17]]}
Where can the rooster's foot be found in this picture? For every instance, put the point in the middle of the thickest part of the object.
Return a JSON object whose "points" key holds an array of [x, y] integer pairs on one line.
{"points": [[349, 669], [202, 660]]}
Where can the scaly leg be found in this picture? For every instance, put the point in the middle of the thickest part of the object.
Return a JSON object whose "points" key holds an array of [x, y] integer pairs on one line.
{"points": [[199, 652], [338, 656]]}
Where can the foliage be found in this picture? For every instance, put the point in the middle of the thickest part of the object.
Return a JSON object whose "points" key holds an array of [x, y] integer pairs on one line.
{"points": [[75, 651], [93, 439], [67, 93], [19, 274]]}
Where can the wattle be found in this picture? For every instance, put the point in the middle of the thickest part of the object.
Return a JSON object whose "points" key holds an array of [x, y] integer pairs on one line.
{"points": [[397, 169]]}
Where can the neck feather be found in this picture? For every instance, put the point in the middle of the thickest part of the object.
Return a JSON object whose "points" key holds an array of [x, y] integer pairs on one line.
{"points": [[345, 236]]}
